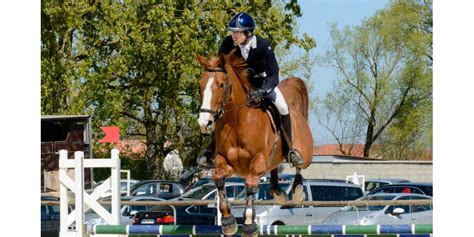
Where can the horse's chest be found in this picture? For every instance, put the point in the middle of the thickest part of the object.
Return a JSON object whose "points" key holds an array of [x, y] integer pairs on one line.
{"points": [[230, 137]]}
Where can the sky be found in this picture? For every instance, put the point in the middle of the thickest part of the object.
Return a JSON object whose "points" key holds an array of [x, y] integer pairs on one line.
{"points": [[317, 15]]}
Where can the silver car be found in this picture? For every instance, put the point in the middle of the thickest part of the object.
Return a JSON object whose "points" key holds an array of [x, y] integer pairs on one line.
{"points": [[317, 190], [208, 191], [375, 215]]}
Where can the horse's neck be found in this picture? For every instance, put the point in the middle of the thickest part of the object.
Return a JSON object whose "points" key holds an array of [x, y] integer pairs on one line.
{"points": [[238, 101], [239, 96]]}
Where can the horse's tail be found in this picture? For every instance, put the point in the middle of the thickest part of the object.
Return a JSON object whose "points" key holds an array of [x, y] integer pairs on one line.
{"points": [[296, 94]]}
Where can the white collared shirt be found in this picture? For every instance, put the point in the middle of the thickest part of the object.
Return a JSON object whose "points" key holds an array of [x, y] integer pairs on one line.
{"points": [[245, 49]]}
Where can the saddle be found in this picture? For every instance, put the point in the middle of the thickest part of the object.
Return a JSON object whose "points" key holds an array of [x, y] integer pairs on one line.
{"points": [[275, 120]]}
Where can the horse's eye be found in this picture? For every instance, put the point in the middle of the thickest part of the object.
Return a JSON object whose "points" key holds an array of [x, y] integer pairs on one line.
{"points": [[221, 85]]}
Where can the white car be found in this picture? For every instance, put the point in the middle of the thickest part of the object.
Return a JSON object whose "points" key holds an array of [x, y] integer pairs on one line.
{"points": [[315, 190], [382, 215]]}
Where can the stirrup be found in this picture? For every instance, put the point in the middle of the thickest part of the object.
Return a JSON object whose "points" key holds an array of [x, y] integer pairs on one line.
{"points": [[295, 158]]}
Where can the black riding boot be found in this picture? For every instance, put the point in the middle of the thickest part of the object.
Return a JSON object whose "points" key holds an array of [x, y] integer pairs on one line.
{"points": [[293, 156]]}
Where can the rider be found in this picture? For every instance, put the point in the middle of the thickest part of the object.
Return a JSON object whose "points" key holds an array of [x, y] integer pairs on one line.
{"points": [[263, 72]]}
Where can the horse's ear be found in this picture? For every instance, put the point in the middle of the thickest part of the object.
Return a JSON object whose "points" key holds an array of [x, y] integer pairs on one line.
{"points": [[221, 60], [202, 61], [231, 57]]}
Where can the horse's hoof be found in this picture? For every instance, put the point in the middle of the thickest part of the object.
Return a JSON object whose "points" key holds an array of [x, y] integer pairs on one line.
{"points": [[250, 230], [281, 198], [229, 225], [298, 194]]}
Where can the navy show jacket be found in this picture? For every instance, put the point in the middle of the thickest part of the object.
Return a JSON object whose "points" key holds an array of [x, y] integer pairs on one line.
{"points": [[261, 61]]}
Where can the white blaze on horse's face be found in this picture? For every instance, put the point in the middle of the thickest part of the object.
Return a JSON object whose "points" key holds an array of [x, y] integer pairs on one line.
{"points": [[206, 119]]}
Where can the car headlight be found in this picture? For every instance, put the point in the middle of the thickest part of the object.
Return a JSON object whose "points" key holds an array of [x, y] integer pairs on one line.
{"points": [[366, 220]]}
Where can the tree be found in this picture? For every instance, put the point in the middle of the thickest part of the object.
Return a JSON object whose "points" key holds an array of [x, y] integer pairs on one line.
{"points": [[385, 73], [138, 67], [61, 64], [344, 123]]}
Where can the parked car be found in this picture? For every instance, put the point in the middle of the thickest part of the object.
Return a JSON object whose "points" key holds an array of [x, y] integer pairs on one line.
{"points": [[379, 182], [157, 188], [425, 188], [208, 191], [49, 218], [315, 190], [376, 215], [123, 187], [281, 177], [126, 211], [206, 180], [192, 214]]}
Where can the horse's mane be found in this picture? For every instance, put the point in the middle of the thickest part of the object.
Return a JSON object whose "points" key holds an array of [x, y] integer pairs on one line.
{"points": [[238, 66]]}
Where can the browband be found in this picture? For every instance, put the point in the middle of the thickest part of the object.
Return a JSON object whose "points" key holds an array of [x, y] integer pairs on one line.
{"points": [[215, 69]]}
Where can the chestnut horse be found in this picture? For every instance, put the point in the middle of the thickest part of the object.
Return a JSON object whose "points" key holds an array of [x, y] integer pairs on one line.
{"points": [[247, 142]]}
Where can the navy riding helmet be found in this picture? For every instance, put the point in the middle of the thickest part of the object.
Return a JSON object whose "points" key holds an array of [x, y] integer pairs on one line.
{"points": [[241, 22]]}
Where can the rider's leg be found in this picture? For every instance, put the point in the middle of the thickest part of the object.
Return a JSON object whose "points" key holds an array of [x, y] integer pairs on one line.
{"points": [[279, 101]]}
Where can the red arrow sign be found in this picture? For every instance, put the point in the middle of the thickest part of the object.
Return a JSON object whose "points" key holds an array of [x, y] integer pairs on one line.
{"points": [[112, 135]]}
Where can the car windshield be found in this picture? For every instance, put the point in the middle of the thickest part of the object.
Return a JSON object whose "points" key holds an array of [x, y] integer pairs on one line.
{"points": [[199, 192], [369, 208], [263, 192], [202, 182]]}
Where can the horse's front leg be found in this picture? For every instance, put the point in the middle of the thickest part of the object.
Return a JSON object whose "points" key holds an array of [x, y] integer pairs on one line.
{"points": [[257, 169], [222, 170]]}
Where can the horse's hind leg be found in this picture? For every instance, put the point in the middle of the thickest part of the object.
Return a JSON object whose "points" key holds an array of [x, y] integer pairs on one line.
{"points": [[297, 188], [275, 190], [229, 224]]}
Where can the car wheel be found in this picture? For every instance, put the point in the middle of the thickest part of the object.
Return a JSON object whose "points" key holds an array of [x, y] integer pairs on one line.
{"points": [[278, 223]]}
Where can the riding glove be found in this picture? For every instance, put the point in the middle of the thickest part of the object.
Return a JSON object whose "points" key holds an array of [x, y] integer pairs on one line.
{"points": [[256, 96]]}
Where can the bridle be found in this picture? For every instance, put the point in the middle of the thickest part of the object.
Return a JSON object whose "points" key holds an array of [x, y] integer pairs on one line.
{"points": [[217, 114]]}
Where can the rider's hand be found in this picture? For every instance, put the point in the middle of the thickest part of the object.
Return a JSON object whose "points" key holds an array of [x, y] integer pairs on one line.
{"points": [[256, 96]]}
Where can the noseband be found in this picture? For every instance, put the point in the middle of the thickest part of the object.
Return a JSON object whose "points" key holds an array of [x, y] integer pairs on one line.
{"points": [[227, 90]]}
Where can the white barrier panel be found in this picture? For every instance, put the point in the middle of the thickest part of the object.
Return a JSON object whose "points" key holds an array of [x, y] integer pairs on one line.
{"points": [[72, 224]]}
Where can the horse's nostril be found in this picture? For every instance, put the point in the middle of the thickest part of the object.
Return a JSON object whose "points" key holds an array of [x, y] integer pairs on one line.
{"points": [[209, 123]]}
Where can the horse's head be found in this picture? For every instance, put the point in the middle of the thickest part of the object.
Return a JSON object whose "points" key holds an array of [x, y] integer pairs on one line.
{"points": [[214, 88]]}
